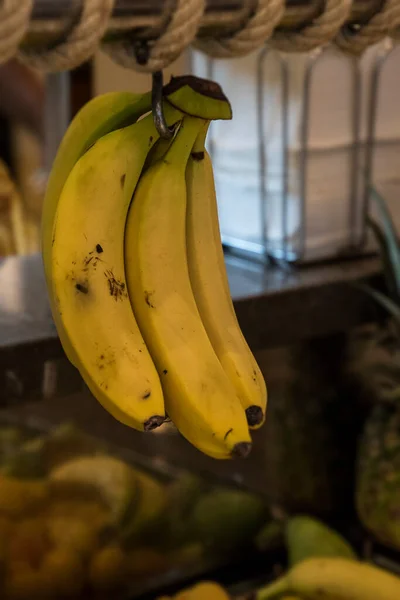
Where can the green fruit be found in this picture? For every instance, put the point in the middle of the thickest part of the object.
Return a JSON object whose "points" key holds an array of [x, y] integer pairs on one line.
{"points": [[10, 441], [182, 495], [224, 519], [270, 536], [148, 506], [38, 455], [307, 537]]}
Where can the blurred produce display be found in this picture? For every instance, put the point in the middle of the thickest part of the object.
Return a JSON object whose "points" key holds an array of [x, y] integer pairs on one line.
{"points": [[322, 566], [77, 521], [19, 227]]}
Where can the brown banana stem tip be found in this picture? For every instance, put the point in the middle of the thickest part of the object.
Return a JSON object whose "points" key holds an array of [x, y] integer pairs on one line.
{"points": [[153, 422], [205, 87], [241, 450], [254, 415]]}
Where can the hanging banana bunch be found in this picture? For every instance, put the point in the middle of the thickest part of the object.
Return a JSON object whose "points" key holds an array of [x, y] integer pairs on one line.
{"points": [[135, 269]]}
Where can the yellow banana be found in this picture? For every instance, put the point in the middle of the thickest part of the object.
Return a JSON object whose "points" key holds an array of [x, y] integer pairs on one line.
{"points": [[199, 396], [88, 275], [98, 117], [211, 288], [335, 579]]}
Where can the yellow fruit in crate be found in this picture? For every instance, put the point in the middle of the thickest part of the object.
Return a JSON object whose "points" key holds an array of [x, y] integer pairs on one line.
{"points": [[22, 582], [208, 590], [89, 511], [108, 568], [18, 497], [146, 561], [6, 529], [64, 573], [73, 534], [29, 542], [111, 479]]}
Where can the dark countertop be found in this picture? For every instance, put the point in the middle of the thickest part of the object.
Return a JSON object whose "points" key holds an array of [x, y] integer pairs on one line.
{"points": [[274, 306]]}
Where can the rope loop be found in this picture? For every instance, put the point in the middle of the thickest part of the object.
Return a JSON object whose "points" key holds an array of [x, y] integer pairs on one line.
{"points": [[257, 30], [183, 19], [182, 27], [318, 33], [80, 43], [356, 39], [14, 22]]}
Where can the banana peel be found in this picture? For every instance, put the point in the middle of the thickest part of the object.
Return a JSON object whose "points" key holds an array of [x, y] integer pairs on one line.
{"points": [[114, 110], [334, 579]]}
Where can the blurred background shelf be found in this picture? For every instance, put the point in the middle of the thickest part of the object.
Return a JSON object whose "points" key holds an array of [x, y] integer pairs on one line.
{"points": [[275, 307]]}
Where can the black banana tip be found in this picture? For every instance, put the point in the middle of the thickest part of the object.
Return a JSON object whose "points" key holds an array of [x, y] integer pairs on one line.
{"points": [[241, 450], [153, 422], [254, 416]]}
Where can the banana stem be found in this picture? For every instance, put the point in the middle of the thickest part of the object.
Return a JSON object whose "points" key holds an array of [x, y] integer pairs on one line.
{"points": [[182, 145], [146, 125], [273, 590], [171, 114], [200, 143]]}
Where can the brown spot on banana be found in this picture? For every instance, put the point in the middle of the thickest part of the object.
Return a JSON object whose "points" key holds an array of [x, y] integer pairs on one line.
{"points": [[197, 156], [82, 288]]}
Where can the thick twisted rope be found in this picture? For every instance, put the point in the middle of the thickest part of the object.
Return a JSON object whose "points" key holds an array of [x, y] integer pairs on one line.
{"points": [[79, 44], [14, 21], [257, 30], [378, 27], [81, 41], [318, 33], [177, 36]]}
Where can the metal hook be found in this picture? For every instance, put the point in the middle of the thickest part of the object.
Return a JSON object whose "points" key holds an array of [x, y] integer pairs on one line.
{"points": [[141, 50], [157, 107]]}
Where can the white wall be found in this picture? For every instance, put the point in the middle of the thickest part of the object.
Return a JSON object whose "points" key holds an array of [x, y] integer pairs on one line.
{"points": [[109, 77]]}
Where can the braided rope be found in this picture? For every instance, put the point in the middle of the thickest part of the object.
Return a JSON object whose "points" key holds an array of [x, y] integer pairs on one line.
{"points": [[378, 27], [319, 33], [395, 34], [257, 30], [14, 21], [179, 33], [81, 42]]}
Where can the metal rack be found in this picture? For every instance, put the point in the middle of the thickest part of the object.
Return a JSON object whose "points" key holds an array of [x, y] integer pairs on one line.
{"points": [[361, 173]]}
